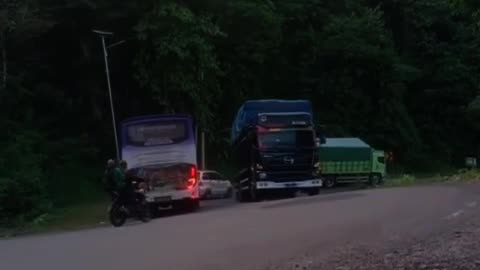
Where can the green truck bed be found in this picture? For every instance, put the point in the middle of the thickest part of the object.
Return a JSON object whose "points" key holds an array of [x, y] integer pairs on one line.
{"points": [[345, 156]]}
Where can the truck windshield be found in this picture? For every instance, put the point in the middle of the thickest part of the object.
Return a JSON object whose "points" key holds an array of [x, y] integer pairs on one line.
{"points": [[287, 138]]}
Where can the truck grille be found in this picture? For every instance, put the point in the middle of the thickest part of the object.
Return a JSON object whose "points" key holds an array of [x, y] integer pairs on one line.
{"points": [[286, 176], [288, 161]]}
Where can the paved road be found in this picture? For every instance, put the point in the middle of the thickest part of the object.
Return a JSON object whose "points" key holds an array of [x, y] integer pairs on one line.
{"points": [[250, 236]]}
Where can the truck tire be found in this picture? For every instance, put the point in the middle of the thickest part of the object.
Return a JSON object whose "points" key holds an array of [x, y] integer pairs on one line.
{"points": [[313, 191], [252, 186], [241, 195], [238, 195], [374, 180], [329, 182], [254, 193], [381, 180]]}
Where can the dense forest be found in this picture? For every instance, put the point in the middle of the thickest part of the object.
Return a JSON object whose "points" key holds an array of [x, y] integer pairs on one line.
{"points": [[401, 74]]}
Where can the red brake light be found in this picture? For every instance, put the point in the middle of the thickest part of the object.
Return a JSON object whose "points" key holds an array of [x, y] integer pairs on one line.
{"points": [[193, 172], [192, 180]]}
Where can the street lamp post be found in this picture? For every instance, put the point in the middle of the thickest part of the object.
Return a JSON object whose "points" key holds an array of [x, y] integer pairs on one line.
{"points": [[102, 35]]}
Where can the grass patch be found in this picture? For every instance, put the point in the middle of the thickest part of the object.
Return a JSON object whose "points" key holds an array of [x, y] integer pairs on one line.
{"points": [[74, 217], [401, 181], [78, 216], [461, 176], [465, 176]]}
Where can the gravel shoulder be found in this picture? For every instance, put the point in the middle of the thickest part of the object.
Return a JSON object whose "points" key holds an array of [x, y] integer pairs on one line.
{"points": [[456, 247]]}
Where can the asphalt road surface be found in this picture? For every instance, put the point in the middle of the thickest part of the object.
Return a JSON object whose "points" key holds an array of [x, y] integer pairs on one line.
{"points": [[265, 235]]}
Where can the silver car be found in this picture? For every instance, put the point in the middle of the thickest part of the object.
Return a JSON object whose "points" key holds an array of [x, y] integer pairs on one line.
{"points": [[213, 185]]}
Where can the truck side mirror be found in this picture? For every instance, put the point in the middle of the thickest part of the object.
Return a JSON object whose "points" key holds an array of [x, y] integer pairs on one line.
{"points": [[319, 141], [320, 135]]}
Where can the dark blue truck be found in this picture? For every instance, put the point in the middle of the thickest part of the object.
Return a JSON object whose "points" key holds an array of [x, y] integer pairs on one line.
{"points": [[275, 145]]}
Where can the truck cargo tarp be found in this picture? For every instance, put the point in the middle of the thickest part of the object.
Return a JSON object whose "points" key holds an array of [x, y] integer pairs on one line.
{"points": [[248, 112], [345, 149]]}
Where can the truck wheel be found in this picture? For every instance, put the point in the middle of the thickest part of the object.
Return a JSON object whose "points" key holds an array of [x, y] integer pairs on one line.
{"points": [[381, 181], [374, 180], [238, 195], [241, 195], [314, 191], [252, 187], [329, 182], [254, 194]]}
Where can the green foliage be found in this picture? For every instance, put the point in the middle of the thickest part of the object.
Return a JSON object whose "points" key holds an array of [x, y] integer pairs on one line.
{"points": [[177, 62], [473, 113], [23, 195], [403, 75]]}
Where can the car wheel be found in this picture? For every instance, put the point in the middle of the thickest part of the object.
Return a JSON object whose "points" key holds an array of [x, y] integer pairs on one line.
{"points": [[208, 194], [228, 194]]}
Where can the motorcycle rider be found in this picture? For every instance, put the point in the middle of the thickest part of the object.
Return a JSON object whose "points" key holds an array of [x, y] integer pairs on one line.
{"points": [[109, 178], [126, 204], [122, 185]]}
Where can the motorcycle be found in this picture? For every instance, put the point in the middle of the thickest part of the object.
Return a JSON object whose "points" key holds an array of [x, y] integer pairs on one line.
{"points": [[134, 206]]}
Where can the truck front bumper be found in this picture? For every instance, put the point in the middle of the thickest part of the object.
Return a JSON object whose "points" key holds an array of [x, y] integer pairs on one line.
{"points": [[310, 183]]}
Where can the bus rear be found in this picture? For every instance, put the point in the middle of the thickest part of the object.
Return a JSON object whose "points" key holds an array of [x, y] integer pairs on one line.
{"points": [[161, 149]]}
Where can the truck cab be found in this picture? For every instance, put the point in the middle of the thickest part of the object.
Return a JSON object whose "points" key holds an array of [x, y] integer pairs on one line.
{"points": [[277, 151], [378, 165]]}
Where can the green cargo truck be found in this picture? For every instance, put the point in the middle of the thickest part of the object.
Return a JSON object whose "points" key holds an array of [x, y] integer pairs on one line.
{"points": [[351, 160]]}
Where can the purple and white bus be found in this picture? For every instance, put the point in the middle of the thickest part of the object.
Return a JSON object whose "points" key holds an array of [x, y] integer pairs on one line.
{"points": [[162, 150]]}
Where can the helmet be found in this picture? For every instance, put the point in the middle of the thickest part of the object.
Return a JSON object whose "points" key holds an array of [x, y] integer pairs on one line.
{"points": [[110, 163], [123, 164]]}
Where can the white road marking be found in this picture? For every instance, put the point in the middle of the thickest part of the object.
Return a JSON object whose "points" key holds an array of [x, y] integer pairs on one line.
{"points": [[472, 204], [455, 214]]}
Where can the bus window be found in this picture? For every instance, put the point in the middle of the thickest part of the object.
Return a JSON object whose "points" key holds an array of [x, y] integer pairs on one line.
{"points": [[157, 133]]}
